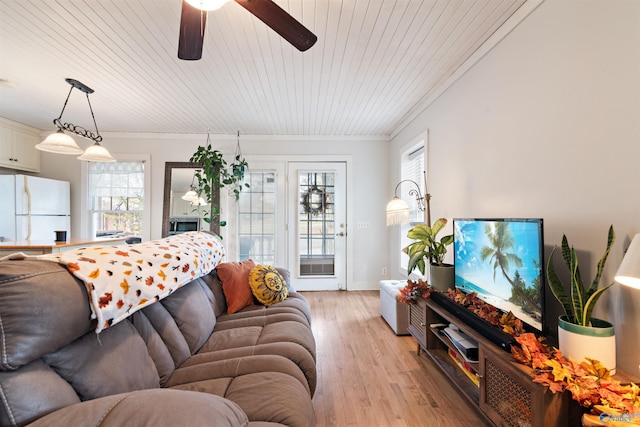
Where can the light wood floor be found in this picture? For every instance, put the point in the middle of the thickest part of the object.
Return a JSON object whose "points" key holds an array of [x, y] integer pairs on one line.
{"points": [[369, 377]]}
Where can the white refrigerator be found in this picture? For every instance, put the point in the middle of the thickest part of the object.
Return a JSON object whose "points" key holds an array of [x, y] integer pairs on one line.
{"points": [[33, 208]]}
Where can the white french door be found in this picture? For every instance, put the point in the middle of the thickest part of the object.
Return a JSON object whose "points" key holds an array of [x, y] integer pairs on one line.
{"points": [[316, 225]]}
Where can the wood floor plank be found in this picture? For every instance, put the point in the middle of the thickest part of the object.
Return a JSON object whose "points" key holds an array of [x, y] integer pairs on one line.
{"points": [[369, 377]]}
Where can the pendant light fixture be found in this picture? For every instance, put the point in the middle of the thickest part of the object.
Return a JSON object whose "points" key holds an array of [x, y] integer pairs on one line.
{"points": [[191, 195], [61, 143]]}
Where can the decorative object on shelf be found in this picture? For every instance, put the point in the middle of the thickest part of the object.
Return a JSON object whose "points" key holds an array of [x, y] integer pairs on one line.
{"points": [[414, 289], [589, 382], [61, 143], [629, 271], [426, 248], [215, 173], [581, 336], [398, 210]]}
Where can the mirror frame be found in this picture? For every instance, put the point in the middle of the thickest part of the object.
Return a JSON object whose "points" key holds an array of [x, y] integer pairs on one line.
{"points": [[166, 202]]}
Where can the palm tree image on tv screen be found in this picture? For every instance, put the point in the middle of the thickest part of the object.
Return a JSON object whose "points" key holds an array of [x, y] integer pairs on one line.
{"points": [[501, 260]]}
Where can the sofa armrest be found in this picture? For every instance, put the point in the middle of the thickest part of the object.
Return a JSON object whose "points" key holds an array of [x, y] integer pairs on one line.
{"points": [[160, 407]]}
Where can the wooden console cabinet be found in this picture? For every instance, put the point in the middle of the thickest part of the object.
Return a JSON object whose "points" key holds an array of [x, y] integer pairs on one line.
{"points": [[505, 393]]}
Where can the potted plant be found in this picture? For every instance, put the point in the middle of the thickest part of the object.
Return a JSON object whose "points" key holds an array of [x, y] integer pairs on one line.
{"points": [[427, 248], [579, 334], [214, 175]]}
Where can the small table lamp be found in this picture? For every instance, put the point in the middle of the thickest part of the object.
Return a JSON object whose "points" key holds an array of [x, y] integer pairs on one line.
{"points": [[629, 271]]}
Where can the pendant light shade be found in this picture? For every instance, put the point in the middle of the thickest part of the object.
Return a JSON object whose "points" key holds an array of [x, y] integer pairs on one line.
{"points": [[190, 196], [60, 143], [96, 153], [207, 4]]}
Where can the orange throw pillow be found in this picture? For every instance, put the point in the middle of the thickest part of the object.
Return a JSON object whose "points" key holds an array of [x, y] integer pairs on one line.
{"points": [[235, 284]]}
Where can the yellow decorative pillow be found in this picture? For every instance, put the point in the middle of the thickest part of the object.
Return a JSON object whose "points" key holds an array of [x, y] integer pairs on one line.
{"points": [[267, 285]]}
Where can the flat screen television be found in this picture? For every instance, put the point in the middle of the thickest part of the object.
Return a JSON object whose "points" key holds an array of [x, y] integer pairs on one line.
{"points": [[502, 261]]}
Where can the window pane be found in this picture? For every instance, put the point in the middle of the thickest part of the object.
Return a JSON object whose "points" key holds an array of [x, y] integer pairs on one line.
{"points": [[116, 192], [257, 218]]}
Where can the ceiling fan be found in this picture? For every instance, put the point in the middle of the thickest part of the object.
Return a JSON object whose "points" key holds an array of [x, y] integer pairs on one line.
{"points": [[194, 18]]}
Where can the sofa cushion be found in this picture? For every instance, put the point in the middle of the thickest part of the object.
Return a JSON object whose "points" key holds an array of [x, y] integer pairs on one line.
{"points": [[235, 284], [42, 308], [31, 392], [192, 309], [169, 332], [115, 361], [158, 350], [160, 407], [267, 285]]}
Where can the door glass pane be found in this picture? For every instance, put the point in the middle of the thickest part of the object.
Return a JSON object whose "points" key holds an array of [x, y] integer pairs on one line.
{"points": [[316, 223], [256, 218]]}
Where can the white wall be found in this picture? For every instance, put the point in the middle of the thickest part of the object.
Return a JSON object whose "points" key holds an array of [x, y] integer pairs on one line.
{"points": [[369, 160], [547, 125]]}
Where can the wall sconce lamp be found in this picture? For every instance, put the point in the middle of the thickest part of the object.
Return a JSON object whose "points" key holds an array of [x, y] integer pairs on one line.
{"points": [[628, 273], [61, 143], [398, 210]]}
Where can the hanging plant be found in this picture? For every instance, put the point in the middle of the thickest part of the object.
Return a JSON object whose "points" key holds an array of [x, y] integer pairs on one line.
{"points": [[215, 174]]}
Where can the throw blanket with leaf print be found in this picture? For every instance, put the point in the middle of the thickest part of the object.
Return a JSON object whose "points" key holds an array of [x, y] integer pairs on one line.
{"points": [[122, 279]]}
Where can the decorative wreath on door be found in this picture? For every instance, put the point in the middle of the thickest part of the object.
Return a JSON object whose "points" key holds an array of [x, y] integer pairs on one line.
{"points": [[314, 201]]}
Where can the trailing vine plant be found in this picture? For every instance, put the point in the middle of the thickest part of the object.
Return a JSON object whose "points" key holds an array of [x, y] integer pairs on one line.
{"points": [[215, 173]]}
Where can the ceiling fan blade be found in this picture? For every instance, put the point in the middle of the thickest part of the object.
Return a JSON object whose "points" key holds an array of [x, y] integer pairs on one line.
{"points": [[192, 24], [281, 22]]}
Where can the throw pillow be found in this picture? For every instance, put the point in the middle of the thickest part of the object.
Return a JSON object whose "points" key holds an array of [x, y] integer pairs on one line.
{"points": [[267, 285], [235, 284]]}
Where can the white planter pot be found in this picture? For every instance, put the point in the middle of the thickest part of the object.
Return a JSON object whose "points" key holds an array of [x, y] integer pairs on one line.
{"points": [[441, 277], [595, 342]]}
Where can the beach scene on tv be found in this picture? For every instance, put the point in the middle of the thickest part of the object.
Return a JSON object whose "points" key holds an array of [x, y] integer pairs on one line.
{"points": [[501, 260]]}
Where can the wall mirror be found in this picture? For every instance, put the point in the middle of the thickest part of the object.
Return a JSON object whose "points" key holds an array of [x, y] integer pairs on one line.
{"points": [[180, 215]]}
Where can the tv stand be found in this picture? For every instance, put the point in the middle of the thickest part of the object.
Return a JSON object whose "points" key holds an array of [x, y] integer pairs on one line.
{"points": [[501, 388]]}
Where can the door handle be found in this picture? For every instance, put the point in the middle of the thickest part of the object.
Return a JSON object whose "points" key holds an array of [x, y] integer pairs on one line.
{"points": [[341, 234]]}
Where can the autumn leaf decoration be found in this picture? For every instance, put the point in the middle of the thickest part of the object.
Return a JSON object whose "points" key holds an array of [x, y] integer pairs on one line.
{"points": [[589, 382], [413, 289]]}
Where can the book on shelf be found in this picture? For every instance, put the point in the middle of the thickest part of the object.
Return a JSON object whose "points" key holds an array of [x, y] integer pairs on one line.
{"points": [[465, 367]]}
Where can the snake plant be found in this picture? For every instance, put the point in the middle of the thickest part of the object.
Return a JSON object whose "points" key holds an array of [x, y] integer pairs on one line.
{"points": [[581, 301]]}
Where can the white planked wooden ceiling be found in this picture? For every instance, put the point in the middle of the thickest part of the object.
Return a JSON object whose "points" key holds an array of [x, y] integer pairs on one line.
{"points": [[377, 64]]}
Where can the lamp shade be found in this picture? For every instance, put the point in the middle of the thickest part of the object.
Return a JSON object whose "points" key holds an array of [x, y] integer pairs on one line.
{"points": [[629, 271], [190, 196], [96, 153], [199, 201], [59, 143], [207, 4], [397, 212]]}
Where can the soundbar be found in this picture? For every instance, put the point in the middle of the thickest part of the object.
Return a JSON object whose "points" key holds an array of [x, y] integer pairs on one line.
{"points": [[491, 332]]}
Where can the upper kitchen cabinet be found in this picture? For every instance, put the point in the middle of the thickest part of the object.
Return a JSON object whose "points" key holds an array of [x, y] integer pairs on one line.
{"points": [[18, 146]]}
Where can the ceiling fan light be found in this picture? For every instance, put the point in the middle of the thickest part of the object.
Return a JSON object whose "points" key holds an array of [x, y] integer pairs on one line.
{"points": [[207, 4], [60, 143], [96, 153]]}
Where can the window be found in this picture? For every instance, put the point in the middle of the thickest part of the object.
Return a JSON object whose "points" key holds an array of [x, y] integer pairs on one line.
{"points": [[116, 198], [257, 218], [411, 167]]}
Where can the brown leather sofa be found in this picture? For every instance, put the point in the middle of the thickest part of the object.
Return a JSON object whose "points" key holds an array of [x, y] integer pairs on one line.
{"points": [[182, 361]]}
